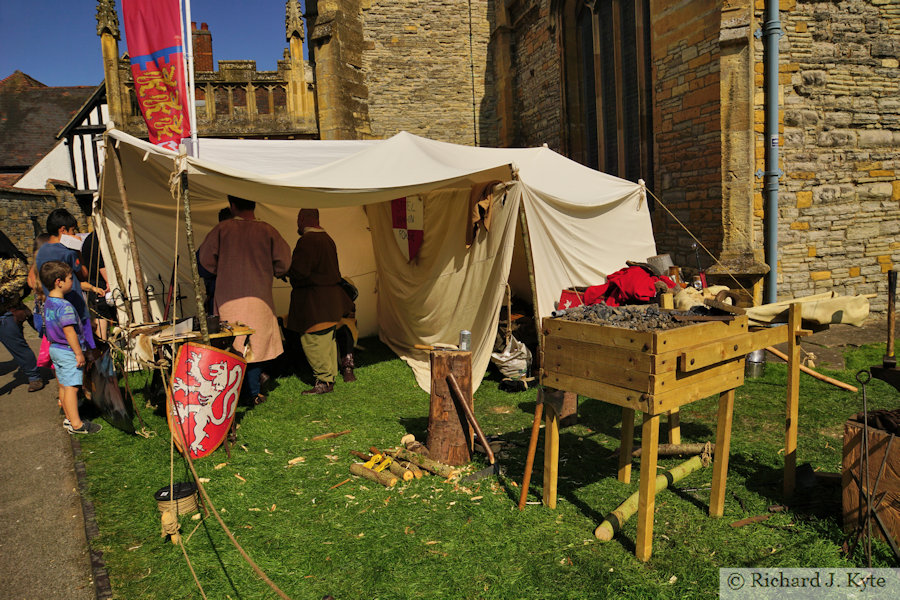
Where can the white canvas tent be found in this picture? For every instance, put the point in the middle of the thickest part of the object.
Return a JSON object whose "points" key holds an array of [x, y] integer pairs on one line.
{"points": [[582, 224]]}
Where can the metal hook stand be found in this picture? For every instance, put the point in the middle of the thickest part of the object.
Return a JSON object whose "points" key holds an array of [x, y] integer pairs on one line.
{"points": [[867, 493]]}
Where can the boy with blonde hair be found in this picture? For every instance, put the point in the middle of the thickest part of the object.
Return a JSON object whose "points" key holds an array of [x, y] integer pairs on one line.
{"points": [[65, 333]]}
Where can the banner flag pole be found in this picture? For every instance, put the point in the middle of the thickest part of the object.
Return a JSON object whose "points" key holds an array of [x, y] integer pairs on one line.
{"points": [[186, 25]]}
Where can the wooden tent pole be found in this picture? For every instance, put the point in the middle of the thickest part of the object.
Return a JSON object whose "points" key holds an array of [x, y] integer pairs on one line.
{"points": [[132, 242], [199, 290], [114, 257], [534, 297]]}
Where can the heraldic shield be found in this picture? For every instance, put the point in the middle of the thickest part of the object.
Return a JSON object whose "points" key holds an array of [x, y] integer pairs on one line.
{"points": [[206, 385]]}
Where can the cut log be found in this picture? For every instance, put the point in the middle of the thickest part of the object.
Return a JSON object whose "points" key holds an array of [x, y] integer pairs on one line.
{"points": [[450, 439], [418, 447], [401, 472], [385, 479], [624, 511], [415, 470], [679, 449], [424, 463]]}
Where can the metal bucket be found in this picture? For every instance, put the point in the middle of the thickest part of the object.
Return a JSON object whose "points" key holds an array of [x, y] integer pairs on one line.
{"points": [[755, 365]]}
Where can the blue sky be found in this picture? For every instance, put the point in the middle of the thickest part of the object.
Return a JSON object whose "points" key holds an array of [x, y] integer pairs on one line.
{"points": [[55, 41]]}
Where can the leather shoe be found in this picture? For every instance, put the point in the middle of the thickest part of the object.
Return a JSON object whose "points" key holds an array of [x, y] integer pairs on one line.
{"points": [[35, 385], [260, 398], [320, 388], [347, 368]]}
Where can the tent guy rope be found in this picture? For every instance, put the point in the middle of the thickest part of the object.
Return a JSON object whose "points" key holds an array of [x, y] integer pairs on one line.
{"points": [[699, 243]]}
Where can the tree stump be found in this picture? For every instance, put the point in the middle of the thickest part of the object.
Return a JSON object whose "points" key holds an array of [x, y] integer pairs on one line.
{"points": [[569, 413], [450, 438], [566, 404]]}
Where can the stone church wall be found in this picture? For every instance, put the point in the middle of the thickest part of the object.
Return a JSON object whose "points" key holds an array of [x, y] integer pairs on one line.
{"points": [[419, 58], [686, 120], [537, 78], [839, 201]]}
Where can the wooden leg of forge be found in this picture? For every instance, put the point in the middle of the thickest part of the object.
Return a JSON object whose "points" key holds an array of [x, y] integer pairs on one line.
{"points": [[674, 426], [793, 400], [720, 464], [626, 444], [551, 454], [647, 487]]}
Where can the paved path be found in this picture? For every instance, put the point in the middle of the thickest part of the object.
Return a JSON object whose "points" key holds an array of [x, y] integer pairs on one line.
{"points": [[43, 548]]}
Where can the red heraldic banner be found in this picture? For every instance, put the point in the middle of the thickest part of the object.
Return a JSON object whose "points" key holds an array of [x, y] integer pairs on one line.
{"points": [[408, 218], [155, 46], [206, 385]]}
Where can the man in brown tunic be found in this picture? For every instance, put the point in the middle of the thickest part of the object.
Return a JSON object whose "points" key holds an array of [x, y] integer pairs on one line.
{"points": [[245, 254], [317, 300]]}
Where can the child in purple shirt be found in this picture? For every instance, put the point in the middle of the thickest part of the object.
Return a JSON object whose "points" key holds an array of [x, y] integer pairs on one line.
{"points": [[65, 333]]}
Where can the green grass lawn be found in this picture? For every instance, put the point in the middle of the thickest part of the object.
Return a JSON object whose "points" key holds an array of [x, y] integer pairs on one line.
{"points": [[430, 538]]}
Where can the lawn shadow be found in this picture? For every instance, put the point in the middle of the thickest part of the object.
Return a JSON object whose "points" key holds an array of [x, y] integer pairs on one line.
{"points": [[368, 351], [222, 565], [702, 505], [814, 497], [417, 426], [583, 462]]}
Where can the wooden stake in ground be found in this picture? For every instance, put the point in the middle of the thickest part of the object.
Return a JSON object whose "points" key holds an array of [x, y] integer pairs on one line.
{"points": [[624, 511], [425, 463]]}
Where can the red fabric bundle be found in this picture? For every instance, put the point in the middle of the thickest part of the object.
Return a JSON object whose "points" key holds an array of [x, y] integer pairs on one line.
{"points": [[631, 285]]}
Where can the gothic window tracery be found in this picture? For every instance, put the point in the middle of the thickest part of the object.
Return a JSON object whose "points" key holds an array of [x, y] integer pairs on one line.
{"points": [[606, 49]]}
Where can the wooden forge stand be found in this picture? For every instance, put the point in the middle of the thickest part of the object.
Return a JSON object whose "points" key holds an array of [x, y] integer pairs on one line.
{"points": [[656, 373]]}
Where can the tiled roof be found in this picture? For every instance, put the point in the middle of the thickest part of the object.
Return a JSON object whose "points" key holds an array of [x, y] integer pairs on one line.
{"points": [[31, 114]]}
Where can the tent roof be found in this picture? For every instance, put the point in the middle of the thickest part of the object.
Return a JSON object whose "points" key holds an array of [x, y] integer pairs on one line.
{"points": [[365, 174], [320, 173]]}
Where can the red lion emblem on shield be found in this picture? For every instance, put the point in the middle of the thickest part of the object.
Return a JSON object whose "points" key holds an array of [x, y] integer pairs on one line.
{"points": [[206, 385]]}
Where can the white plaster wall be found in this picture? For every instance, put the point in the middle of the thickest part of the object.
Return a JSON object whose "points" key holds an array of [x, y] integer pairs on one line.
{"points": [[55, 165]]}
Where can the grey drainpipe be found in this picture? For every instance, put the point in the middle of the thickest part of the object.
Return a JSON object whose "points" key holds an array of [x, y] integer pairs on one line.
{"points": [[772, 33]]}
